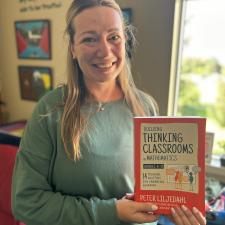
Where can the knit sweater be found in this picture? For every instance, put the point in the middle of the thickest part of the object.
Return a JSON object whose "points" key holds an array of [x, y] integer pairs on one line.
{"points": [[49, 188]]}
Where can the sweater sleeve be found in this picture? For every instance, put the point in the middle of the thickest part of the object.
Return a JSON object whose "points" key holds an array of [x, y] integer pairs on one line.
{"points": [[34, 200]]}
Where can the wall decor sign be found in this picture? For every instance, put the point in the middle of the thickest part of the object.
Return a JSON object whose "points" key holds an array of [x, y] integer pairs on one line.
{"points": [[26, 6], [34, 82], [33, 39]]}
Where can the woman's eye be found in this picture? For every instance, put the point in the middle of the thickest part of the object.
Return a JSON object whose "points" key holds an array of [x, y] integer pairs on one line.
{"points": [[115, 37], [89, 40]]}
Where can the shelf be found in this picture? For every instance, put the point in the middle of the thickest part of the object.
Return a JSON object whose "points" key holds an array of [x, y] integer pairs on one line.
{"points": [[216, 172]]}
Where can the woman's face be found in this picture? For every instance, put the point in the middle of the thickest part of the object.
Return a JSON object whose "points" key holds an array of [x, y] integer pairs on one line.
{"points": [[99, 44]]}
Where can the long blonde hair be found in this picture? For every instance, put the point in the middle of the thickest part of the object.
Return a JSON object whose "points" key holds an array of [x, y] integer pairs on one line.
{"points": [[72, 123]]}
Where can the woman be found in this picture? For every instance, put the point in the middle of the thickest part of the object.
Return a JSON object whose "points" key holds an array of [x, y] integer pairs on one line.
{"points": [[75, 159]]}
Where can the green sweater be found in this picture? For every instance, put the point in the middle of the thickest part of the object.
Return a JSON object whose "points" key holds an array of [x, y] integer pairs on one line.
{"points": [[50, 189]]}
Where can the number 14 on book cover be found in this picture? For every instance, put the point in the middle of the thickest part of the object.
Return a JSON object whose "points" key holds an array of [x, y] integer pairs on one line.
{"points": [[170, 162]]}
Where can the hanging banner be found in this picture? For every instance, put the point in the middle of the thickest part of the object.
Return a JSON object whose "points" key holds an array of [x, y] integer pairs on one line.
{"points": [[38, 5]]}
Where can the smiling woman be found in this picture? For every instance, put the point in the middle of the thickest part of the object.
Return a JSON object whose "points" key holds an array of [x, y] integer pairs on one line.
{"points": [[98, 66], [75, 163], [98, 46]]}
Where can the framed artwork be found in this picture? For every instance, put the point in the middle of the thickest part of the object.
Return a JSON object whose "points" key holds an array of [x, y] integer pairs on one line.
{"points": [[33, 39], [34, 82], [127, 14]]}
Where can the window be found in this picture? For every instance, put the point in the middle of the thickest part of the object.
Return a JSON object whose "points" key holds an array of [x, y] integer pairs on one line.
{"points": [[202, 66]]}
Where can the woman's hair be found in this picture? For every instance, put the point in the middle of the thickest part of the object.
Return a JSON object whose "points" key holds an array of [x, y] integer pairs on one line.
{"points": [[72, 123]]}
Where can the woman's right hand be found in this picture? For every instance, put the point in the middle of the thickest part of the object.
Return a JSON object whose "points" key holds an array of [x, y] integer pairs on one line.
{"points": [[136, 212]]}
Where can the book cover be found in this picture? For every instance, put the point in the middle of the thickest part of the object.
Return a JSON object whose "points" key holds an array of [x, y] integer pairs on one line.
{"points": [[169, 162]]}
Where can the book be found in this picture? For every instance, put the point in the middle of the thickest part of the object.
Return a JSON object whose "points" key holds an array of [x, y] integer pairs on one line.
{"points": [[169, 162]]}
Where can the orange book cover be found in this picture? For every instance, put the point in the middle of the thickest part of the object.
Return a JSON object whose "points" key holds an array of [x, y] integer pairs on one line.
{"points": [[169, 162]]}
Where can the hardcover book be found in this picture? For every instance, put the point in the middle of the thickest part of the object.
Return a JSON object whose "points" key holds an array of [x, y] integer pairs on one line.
{"points": [[170, 162]]}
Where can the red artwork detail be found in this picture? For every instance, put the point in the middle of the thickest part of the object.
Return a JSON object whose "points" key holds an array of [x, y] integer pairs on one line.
{"points": [[22, 44], [44, 44]]}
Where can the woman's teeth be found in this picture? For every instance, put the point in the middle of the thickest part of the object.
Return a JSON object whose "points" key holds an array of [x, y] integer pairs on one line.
{"points": [[104, 65]]}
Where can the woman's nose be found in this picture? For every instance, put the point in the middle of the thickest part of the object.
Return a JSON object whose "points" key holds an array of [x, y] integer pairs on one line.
{"points": [[104, 49]]}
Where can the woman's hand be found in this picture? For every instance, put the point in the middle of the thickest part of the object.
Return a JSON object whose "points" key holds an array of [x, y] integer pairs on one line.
{"points": [[136, 212], [184, 216]]}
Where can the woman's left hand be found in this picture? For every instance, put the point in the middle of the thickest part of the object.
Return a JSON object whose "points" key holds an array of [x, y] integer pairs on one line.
{"points": [[184, 216]]}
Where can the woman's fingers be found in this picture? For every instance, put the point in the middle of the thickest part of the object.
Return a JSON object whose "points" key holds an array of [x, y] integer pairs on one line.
{"points": [[143, 217], [179, 217], [199, 216], [143, 212], [184, 216], [137, 212], [129, 196], [145, 207]]}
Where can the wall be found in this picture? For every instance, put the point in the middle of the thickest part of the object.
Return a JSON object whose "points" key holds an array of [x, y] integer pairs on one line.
{"points": [[153, 18], [154, 22], [54, 10]]}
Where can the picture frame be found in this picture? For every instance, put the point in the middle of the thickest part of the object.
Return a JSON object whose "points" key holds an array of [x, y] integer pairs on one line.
{"points": [[33, 39], [35, 81], [127, 14]]}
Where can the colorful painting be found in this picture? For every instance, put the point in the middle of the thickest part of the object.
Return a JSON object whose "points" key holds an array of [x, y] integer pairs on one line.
{"points": [[33, 39], [34, 82]]}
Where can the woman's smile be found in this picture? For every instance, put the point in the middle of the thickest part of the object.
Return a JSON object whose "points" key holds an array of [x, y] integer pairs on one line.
{"points": [[105, 67]]}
